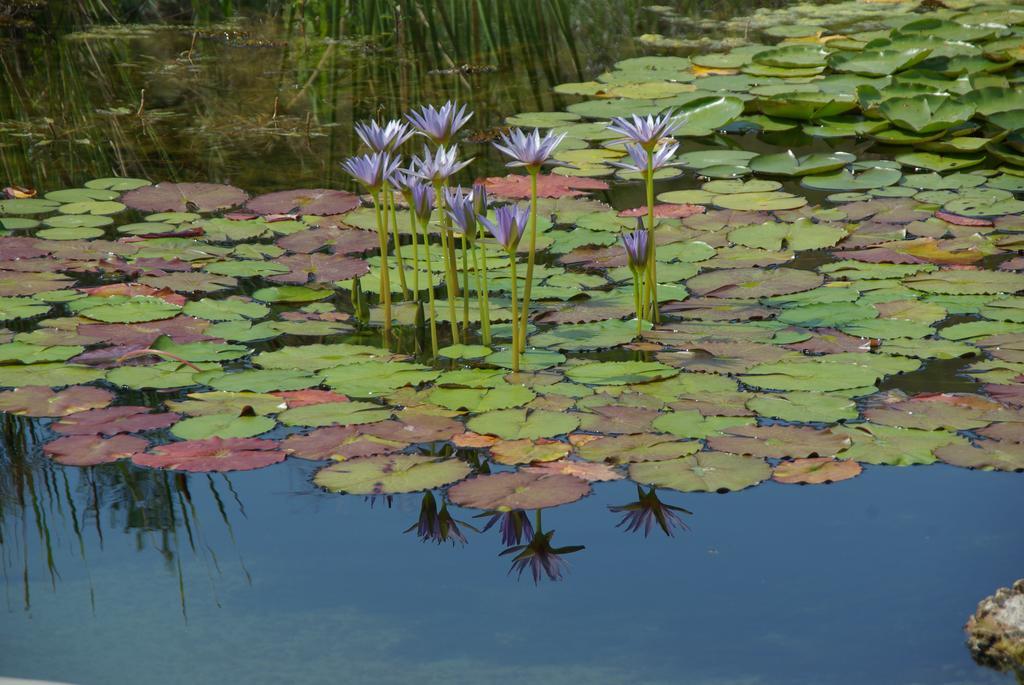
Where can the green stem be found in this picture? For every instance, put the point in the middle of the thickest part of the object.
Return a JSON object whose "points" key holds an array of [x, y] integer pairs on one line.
{"points": [[430, 288], [515, 314], [481, 295], [465, 289], [652, 259], [447, 240], [636, 303], [415, 254], [527, 287], [389, 199], [385, 279]]}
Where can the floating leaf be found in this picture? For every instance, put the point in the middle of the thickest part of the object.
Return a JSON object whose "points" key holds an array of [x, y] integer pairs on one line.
{"points": [[518, 424], [90, 450], [703, 472], [619, 373], [518, 491], [390, 474], [213, 454], [815, 471], [184, 197]]}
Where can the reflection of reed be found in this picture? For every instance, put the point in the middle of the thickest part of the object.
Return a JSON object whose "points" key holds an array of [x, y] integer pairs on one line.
{"points": [[41, 503]]}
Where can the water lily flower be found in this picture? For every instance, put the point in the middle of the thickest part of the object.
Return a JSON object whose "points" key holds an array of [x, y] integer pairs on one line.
{"points": [[383, 138], [635, 243], [641, 157], [647, 511], [528, 149], [508, 225], [514, 525], [422, 201], [480, 199], [440, 125], [462, 210], [646, 132], [437, 526], [439, 166], [540, 557], [372, 169]]}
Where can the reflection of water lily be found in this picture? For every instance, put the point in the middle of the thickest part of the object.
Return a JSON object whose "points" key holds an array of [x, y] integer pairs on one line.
{"points": [[515, 525], [437, 526], [647, 511], [539, 556]]}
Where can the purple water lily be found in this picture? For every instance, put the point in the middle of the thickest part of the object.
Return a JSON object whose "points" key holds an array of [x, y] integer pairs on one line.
{"points": [[647, 511], [437, 526], [635, 243], [647, 131], [371, 169], [515, 526], [439, 166], [383, 138], [422, 201], [440, 125], [640, 157], [528, 149], [462, 211], [508, 225], [540, 557]]}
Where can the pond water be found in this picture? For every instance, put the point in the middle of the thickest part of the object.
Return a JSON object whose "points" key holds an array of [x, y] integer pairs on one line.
{"points": [[131, 570]]}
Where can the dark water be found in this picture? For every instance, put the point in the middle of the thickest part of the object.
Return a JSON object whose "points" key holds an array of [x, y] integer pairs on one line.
{"points": [[121, 575]]}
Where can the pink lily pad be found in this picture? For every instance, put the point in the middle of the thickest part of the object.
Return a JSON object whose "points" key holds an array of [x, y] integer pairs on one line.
{"points": [[339, 240], [518, 490], [518, 186], [212, 454], [314, 201], [90, 450], [666, 211], [320, 268], [184, 197], [113, 420], [41, 402]]}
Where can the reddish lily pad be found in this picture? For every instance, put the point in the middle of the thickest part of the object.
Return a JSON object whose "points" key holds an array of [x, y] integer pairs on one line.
{"points": [[586, 470], [319, 268], [935, 411], [113, 420], [518, 490], [989, 455], [312, 201], [184, 197], [212, 454], [339, 240], [779, 441], [90, 450], [815, 470], [517, 187], [38, 401], [339, 443]]}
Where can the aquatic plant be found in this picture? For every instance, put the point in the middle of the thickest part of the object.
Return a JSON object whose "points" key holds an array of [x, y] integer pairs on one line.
{"points": [[372, 170], [531, 152], [637, 254], [507, 229]]}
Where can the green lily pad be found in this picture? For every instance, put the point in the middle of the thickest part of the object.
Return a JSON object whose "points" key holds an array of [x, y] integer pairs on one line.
{"points": [[703, 472], [390, 474], [518, 424]]}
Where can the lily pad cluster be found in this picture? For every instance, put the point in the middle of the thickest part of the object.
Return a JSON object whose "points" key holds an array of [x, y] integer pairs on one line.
{"points": [[809, 294]]}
